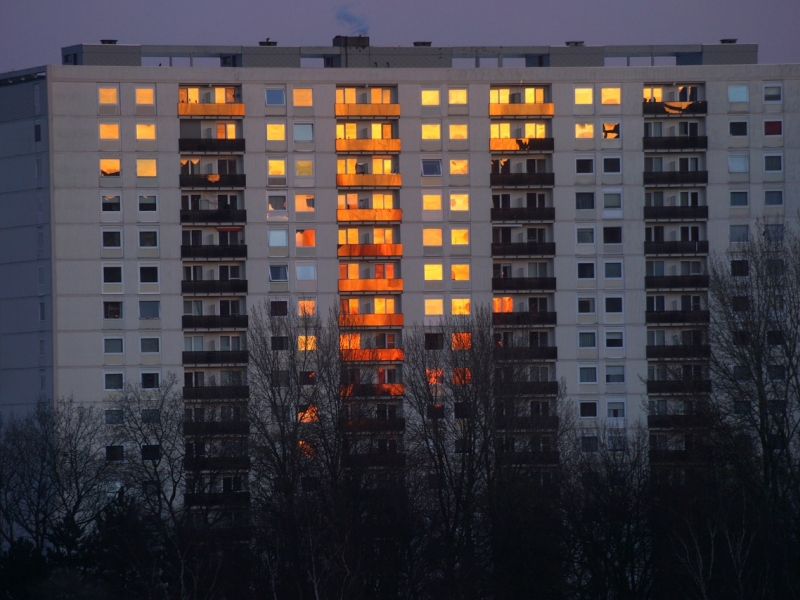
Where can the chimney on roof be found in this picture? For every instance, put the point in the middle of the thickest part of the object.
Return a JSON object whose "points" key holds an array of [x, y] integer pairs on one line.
{"points": [[108, 42], [268, 42], [345, 41], [728, 41], [422, 43], [575, 43]]}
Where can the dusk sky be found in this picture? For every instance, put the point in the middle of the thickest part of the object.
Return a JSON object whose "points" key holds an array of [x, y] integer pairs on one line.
{"points": [[33, 32]]}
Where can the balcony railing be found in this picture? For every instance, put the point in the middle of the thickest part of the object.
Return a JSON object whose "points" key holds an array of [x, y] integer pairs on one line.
{"points": [[373, 354], [679, 351], [369, 214], [674, 109], [208, 109], [213, 180], [676, 421], [369, 180], [368, 390], [524, 318], [675, 281], [215, 251], [217, 463], [367, 110], [213, 216], [364, 320], [676, 142], [522, 179], [676, 247], [378, 250], [521, 144], [522, 353], [364, 461], [380, 146], [670, 317], [209, 145], [547, 213], [370, 285], [512, 284], [529, 388], [528, 458], [215, 357], [374, 425], [214, 322], [233, 286], [675, 177], [532, 422], [216, 428], [524, 249], [541, 109], [679, 386], [216, 392], [241, 499], [686, 213]]}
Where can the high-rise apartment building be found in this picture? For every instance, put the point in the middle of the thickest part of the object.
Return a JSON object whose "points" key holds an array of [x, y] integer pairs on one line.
{"points": [[150, 196]]}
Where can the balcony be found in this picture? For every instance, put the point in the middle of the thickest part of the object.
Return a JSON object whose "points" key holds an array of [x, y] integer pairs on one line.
{"points": [[369, 180], [528, 458], [523, 353], [366, 110], [675, 282], [679, 351], [369, 215], [373, 355], [524, 249], [674, 109], [541, 109], [215, 357], [370, 390], [370, 250], [520, 284], [214, 322], [547, 213], [210, 146], [216, 251], [374, 425], [677, 247], [505, 180], [370, 285], [679, 386], [213, 216], [365, 320], [216, 428], [233, 286], [676, 142], [678, 213], [528, 388], [381, 146], [538, 422], [217, 392], [241, 499], [677, 317], [213, 180], [209, 109], [675, 421], [524, 318], [667, 178], [217, 463], [521, 144], [365, 461]]}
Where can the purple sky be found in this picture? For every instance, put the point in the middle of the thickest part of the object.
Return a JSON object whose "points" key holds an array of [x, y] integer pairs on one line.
{"points": [[32, 32]]}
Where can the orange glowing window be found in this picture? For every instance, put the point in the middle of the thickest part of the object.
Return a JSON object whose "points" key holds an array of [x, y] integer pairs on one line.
{"points": [[145, 95], [307, 448], [276, 132], [457, 96], [500, 131], [432, 272], [346, 131], [434, 307], [306, 342], [382, 200], [503, 304], [431, 131], [461, 341], [459, 202], [462, 375], [306, 238], [276, 166], [145, 131], [346, 96], [434, 376], [306, 308], [349, 341], [459, 272], [384, 306], [107, 95], [349, 306], [610, 95], [431, 202], [109, 131], [535, 130], [460, 306], [431, 237], [430, 98], [348, 236], [584, 131], [308, 414], [302, 97], [458, 131], [459, 237], [459, 166]]}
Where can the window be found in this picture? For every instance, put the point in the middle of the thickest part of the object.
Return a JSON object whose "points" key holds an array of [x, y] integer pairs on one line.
{"points": [[275, 97], [279, 273], [738, 164], [740, 268], [613, 305], [276, 167], [584, 95], [587, 374], [459, 202], [614, 339], [460, 306], [434, 307], [149, 309], [459, 272], [304, 167], [306, 343], [148, 239], [110, 204], [302, 97], [431, 131], [306, 308], [590, 443], [585, 235], [107, 95], [432, 272], [585, 270], [461, 341], [459, 166], [613, 270], [587, 339], [277, 238], [739, 199], [610, 95], [305, 238], [109, 167], [146, 167], [431, 237], [145, 96], [115, 453], [584, 200], [430, 98], [150, 380], [151, 452], [773, 233], [112, 310], [612, 200], [612, 235], [109, 131], [431, 202], [148, 204], [612, 165], [611, 130], [586, 306], [739, 234], [584, 131], [112, 346], [148, 274], [615, 374], [303, 132], [145, 131], [150, 345], [112, 274], [113, 381], [773, 198], [276, 132], [112, 239], [431, 167], [462, 376], [278, 308], [773, 163], [459, 237], [276, 203], [456, 96], [306, 271], [588, 410], [737, 93], [773, 93], [773, 128], [738, 128], [584, 165], [114, 417]]}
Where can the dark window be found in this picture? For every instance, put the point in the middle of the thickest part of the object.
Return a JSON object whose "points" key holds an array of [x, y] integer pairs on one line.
{"points": [[588, 409], [740, 303], [738, 128], [111, 204], [776, 372], [773, 127], [584, 200], [432, 167], [613, 305], [436, 411], [775, 338], [37, 132], [148, 274], [115, 453], [584, 165], [150, 309], [148, 239], [434, 341], [612, 165], [150, 380], [612, 235], [147, 204], [773, 198], [151, 452], [112, 239], [112, 274], [278, 308], [151, 416], [308, 377], [741, 338], [585, 270], [589, 443], [114, 417], [280, 342], [112, 310], [740, 268]]}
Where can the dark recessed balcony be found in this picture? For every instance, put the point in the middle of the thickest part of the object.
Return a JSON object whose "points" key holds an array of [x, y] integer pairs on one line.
{"points": [[518, 284], [214, 322], [679, 386], [233, 286], [524, 249], [365, 461], [214, 181], [527, 423], [522, 179], [669, 282], [215, 357], [241, 499], [679, 351], [674, 109], [216, 251], [676, 421], [680, 213], [524, 318], [677, 317], [217, 463], [521, 144], [210, 146], [675, 177], [529, 388], [528, 458], [216, 428], [213, 216], [523, 353], [676, 247], [547, 213], [217, 392], [676, 142], [374, 425]]}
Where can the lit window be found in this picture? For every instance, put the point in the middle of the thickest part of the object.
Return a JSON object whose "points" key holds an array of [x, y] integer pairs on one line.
{"points": [[460, 306], [458, 131], [653, 94], [304, 168], [276, 167], [275, 97], [109, 167], [430, 98], [459, 272], [610, 95], [738, 164], [462, 376], [503, 304], [305, 238], [431, 237], [306, 308], [431, 131], [611, 130], [306, 342], [587, 374], [145, 96], [146, 167], [459, 166], [459, 237], [737, 93], [461, 341], [303, 132], [431, 167], [584, 95], [584, 131], [304, 202], [306, 271], [500, 131], [434, 307], [145, 131], [587, 339], [434, 376], [109, 131], [456, 96], [432, 272], [107, 95], [773, 128], [431, 202], [276, 132], [459, 202], [302, 97]]}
